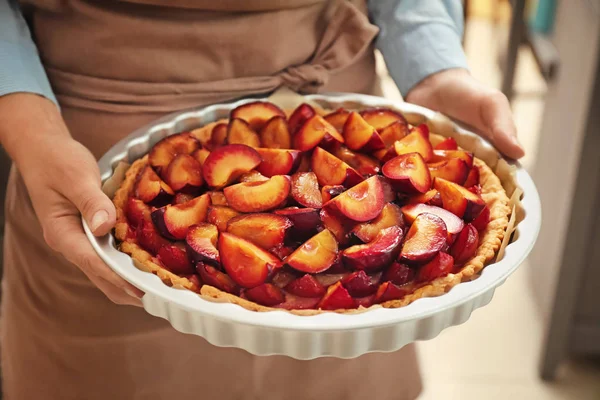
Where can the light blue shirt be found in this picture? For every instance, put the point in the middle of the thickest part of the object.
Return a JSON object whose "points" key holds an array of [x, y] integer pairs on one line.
{"points": [[417, 38]]}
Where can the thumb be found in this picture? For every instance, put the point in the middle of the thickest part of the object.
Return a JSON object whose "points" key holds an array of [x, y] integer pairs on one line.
{"points": [[97, 209]]}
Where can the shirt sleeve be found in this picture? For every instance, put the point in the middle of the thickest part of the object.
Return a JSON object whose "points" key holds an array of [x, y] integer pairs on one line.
{"points": [[21, 69], [418, 38]]}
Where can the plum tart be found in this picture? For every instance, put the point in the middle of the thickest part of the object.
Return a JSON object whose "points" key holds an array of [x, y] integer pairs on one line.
{"points": [[311, 210]]}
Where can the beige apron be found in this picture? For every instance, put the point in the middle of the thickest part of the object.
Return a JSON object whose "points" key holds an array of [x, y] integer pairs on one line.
{"points": [[115, 65]]}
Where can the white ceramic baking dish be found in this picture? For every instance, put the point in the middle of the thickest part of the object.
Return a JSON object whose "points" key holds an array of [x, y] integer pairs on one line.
{"points": [[326, 334]]}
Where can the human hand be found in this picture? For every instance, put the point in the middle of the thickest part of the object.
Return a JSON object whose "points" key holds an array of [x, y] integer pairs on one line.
{"points": [[455, 93], [63, 182]]}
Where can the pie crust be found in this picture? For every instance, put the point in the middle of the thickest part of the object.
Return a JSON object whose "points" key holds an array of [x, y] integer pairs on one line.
{"points": [[490, 240]]}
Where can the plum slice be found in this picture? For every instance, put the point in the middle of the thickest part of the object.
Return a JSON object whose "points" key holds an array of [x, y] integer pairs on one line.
{"points": [[264, 230], [181, 198], [445, 155], [137, 212], [453, 223], [200, 155], [258, 196], [201, 242], [257, 113], [313, 131], [173, 221], [246, 263], [472, 178], [240, 132], [362, 163], [426, 237], [482, 220], [301, 114], [184, 174], [391, 215], [362, 202], [460, 201], [266, 294], [338, 118], [305, 221], [417, 141], [276, 134], [441, 265], [465, 245], [168, 148], [446, 144], [315, 255], [387, 291], [399, 274], [227, 163], [174, 258], [454, 170], [277, 161], [330, 170], [338, 225], [151, 189], [328, 192], [376, 254], [217, 198], [213, 277], [408, 173], [379, 118], [220, 216], [393, 132], [253, 176], [359, 135], [337, 298], [305, 190], [431, 197], [305, 286], [218, 137], [359, 284], [149, 239]]}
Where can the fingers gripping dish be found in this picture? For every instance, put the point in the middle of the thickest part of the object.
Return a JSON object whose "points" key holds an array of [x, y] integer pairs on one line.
{"points": [[311, 210]]}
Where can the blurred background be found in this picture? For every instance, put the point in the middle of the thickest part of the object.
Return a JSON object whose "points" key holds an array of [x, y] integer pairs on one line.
{"points": [[540, 336]]}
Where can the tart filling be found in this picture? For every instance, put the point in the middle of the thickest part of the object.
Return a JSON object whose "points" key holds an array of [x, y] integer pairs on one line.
{"points": [[311, 210]]}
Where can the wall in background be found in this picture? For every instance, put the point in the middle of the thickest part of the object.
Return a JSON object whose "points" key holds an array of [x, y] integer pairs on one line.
{"points": [[576, 34]]}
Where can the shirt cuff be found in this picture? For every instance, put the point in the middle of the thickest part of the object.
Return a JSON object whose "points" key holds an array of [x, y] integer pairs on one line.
{"points": [[421, 51], [22, 71]]}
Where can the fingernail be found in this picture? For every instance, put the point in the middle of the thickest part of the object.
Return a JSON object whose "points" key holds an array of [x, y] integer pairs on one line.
{"points": [[98, 219]]}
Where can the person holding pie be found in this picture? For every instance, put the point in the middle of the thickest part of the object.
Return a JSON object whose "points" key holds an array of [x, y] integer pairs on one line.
{"points": [[77, 76]]}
